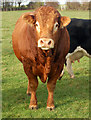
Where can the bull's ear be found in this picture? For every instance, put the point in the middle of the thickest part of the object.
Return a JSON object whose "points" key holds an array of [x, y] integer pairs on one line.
{"points": [[65, 21], [29, 18]]}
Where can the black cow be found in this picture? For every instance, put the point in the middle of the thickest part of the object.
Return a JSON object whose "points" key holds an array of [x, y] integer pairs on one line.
{"points": [[80, 41]]}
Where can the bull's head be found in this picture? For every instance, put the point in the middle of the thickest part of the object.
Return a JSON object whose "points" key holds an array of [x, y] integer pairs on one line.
{"points": [[47, 22]]}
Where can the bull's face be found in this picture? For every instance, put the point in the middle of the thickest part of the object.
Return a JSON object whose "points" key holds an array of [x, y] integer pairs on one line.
{"points": [[47, 22]]}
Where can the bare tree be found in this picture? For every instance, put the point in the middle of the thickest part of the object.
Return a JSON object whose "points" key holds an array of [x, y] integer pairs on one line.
{"points": [[34, 5], [19, 3]]}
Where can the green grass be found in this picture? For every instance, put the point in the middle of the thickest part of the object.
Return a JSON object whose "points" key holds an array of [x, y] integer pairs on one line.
{"points": [[71, 96]]}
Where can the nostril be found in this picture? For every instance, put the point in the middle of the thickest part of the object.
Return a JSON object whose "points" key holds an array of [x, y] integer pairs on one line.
{"points": [[41, 41], [49, 42]]}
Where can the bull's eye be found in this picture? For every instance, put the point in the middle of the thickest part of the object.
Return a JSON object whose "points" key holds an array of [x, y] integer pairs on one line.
{"points": [[37, 26], [56, 25]]}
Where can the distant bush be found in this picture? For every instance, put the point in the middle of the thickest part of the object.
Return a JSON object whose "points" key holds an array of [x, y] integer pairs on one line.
{"points": [[78, 6], [34, 5], [53, 4], [7, 6], [73, 5], [85, 6]]}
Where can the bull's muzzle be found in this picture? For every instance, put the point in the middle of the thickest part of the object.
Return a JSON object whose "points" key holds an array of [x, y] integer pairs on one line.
{"points": [[45, 43]]}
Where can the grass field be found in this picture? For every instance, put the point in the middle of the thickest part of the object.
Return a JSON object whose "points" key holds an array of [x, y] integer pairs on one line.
{"points": [[71, 96]]}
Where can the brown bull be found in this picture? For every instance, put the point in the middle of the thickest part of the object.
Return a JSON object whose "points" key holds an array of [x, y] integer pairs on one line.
{"points": [[41, 42]]}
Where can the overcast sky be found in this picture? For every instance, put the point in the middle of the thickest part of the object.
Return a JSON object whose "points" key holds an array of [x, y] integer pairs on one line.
{"points": [[61, 1]]}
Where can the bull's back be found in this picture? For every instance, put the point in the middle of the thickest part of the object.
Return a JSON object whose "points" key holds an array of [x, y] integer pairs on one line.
{"points": [[17, 36]]}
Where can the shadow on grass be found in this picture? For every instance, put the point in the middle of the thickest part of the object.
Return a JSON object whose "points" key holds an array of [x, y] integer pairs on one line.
{"points": [[67, 91]]}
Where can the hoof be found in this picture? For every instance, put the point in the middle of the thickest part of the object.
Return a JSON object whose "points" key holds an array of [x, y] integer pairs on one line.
{"points": [[33, 107], [50, 108], [72, 76], [28, 93]]}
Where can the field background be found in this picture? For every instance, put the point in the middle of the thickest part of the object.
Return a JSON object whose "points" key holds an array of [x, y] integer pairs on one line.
{"points": [[71, 96]]}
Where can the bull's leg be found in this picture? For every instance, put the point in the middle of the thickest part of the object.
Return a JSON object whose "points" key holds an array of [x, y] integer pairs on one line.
{"points": [[50, 102], [69, 68], [51, 84], [32, 86]]}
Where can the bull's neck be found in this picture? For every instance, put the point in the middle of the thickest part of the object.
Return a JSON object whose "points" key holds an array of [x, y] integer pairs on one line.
{"points": [[43, 56], [45, 59]]}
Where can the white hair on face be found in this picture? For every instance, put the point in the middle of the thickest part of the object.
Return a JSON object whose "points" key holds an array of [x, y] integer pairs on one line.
{"points": [[38, 26], [55, 27]]}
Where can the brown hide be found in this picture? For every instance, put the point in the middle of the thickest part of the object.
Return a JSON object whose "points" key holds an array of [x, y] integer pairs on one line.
{"points": [[25, 42], [37, 62]]}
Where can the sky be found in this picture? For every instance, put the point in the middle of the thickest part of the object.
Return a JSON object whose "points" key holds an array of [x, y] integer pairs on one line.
{"points": [[60, 1]]}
